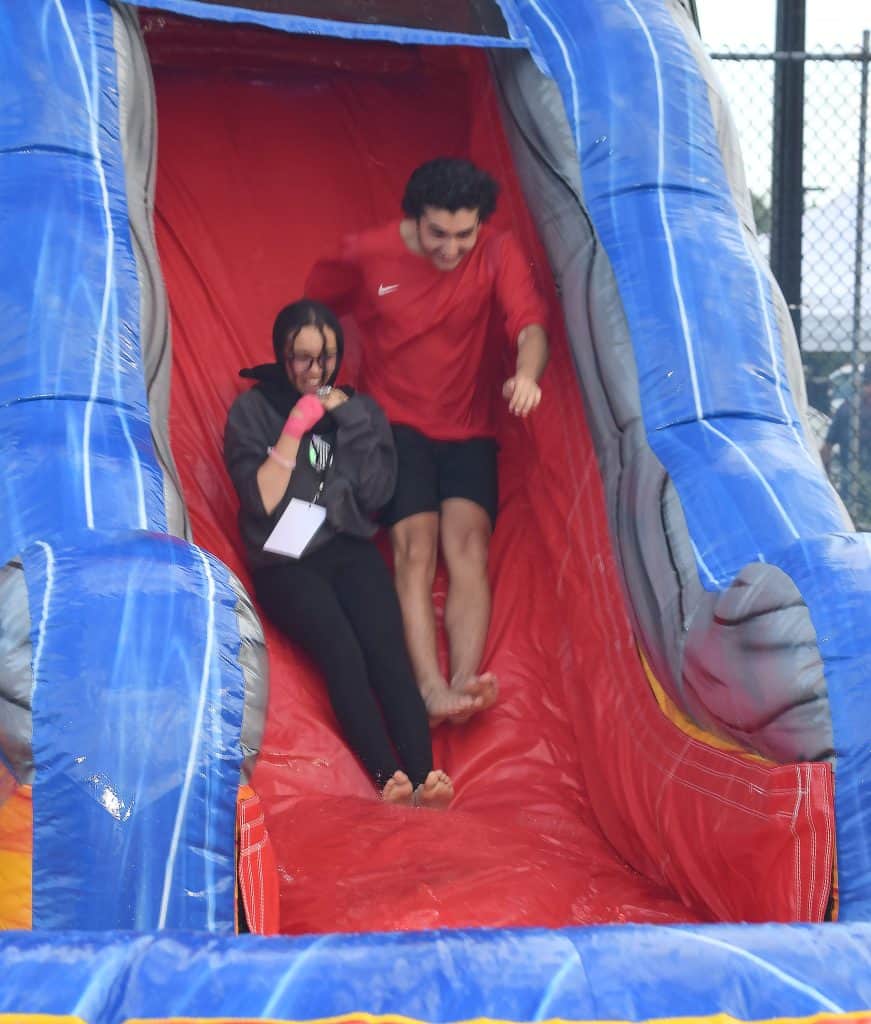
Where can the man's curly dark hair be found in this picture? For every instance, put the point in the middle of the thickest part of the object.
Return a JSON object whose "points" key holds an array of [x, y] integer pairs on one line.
{"points": [[450, 183]]}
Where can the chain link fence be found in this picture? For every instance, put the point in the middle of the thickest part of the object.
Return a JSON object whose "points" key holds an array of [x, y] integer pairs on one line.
{"points": [[833, 314]]}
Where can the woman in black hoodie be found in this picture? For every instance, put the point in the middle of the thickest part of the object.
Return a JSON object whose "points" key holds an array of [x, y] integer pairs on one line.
{"points": [[295, 446]]}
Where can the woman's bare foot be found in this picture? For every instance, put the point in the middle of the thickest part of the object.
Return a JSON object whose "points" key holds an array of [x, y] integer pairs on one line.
{"points": [[436, 791], [398, 790], [483, 689], [443, 703]]}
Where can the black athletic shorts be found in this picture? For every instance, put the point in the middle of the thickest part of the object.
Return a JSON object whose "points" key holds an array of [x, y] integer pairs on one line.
{"points": [[432, 471]]}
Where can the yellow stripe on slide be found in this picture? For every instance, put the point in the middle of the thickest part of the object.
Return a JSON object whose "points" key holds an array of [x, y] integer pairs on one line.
{"points": [[16, 861], [856, 1017], [674, 714], [38, 1018]]}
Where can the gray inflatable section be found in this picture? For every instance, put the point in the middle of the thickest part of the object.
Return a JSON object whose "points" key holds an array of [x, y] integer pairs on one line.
{"points": [[16, 675], [138, 122], [139, 145], [254, 662], [744, 663]]}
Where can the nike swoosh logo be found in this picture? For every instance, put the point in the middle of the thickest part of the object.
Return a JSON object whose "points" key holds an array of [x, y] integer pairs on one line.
{"points": [[386, 289]]}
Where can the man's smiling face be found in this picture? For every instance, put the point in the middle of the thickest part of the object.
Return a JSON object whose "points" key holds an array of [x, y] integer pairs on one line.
{"points": [[446, 237]]}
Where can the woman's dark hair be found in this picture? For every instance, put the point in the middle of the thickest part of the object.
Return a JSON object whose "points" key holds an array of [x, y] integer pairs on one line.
{"points": [[306, 313], [452, 184]]}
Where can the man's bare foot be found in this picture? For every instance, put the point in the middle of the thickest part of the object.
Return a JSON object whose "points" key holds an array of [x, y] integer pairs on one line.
{"points": [[398, 790], [484, 689], [443, 703], [436, 791]]}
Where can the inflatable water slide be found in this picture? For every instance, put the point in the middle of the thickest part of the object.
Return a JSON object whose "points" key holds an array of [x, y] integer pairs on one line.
{"points": [[668, 812]]}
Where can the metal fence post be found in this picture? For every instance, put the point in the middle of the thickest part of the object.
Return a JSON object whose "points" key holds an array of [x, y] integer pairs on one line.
{"points": [[787, 178], [855, 487]]}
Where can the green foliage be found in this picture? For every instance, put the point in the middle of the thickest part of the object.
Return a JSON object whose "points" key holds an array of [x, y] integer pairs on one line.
{"points": [[761, 213]]}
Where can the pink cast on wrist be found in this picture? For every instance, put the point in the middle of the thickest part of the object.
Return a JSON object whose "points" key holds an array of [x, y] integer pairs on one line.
{"points": [[303, 416]]}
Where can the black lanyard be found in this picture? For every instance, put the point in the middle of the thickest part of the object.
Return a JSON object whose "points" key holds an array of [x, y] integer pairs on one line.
{"points": [[314, 459]]}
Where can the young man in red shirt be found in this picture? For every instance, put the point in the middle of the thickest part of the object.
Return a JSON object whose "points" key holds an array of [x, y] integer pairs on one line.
{"points": [[421, 290]]}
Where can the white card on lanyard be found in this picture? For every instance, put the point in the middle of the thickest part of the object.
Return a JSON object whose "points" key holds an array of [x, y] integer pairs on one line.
{"points": [[298, 524]]}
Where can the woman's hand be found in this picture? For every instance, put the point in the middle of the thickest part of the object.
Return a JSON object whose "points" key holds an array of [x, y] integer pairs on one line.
{"points": [[303, 416], [335, 397]]}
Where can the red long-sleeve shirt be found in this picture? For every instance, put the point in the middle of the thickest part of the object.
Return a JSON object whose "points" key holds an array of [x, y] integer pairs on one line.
{"points": [[425, 330]]}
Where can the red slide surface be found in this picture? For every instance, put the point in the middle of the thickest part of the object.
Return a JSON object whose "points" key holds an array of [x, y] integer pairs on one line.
{"points": [[270, 148]]}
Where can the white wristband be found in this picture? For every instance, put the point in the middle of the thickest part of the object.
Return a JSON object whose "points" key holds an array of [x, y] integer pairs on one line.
{"points": [[280, 459]]}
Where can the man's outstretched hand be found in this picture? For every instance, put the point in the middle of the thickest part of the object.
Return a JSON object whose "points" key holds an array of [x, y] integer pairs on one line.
{"points": [[523, 394]]}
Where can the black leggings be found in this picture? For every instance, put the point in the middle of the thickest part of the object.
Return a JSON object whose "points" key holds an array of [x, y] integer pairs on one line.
{"points": [[340, 606]]}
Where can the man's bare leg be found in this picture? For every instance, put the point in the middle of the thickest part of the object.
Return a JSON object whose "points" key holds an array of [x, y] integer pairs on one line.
{"points": [[415, 551], [465, 538]]}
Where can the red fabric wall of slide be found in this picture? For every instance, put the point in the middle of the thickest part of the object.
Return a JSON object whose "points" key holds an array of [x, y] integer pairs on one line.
{"points": [[270, 148]]}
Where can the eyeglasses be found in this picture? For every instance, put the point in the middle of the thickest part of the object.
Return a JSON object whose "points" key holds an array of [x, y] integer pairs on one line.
{"points": [[303, 363]]}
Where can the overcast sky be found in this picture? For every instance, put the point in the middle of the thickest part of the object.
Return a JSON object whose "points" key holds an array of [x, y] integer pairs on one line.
{"points": [[730, 23]]}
